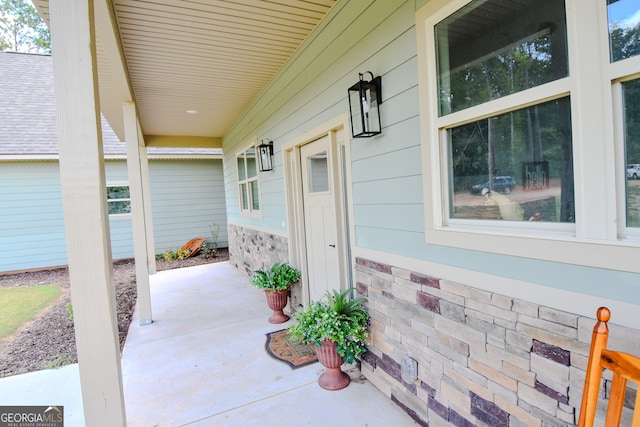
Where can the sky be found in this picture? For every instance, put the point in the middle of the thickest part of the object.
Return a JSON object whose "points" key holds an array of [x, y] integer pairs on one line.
{"points": [[626, 13]]}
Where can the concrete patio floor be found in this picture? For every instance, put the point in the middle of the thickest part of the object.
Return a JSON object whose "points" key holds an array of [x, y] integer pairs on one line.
{"points": [[203, 363]]}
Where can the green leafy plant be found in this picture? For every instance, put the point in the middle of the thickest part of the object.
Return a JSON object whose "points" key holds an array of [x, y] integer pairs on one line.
{"points": [[209, 250], [279, 277], [339, 319], [183, 253], [171, 255]]}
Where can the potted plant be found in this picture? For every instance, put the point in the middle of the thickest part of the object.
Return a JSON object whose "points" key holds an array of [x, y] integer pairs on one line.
{"points": [[338, 329], [275, 282]]}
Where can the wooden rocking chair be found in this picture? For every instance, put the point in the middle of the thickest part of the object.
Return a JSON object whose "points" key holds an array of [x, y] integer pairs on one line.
{"points": [[624, 367]]}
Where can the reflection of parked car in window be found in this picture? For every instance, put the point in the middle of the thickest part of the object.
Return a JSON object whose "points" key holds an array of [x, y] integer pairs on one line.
{"points": [[633, 171], [501, 184]]}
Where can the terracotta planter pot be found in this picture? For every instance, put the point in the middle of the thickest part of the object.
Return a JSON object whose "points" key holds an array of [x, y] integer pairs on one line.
{"points": [[333, 378], [277, 301]]}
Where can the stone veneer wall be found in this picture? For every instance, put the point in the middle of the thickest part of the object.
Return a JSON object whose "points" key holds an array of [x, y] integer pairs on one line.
{"points": [[251, 249], [483, 359]]}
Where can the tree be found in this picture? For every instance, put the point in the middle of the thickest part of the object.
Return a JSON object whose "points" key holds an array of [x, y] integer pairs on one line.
{"points": [[22, 29], [625, 41]]}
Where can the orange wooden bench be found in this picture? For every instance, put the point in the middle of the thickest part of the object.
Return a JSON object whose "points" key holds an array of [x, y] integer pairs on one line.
{"points": [[624, 367]]}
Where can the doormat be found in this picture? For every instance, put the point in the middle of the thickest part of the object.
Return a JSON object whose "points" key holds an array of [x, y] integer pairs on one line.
{"points": [[294, 353]]}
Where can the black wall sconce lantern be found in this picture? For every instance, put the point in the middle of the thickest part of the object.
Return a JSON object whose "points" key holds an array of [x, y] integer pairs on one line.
{"points": [[265, 155], [365, 98]]}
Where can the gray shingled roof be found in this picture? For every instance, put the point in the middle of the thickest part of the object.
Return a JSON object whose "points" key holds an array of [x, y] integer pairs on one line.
{"points": [[28, 116]]}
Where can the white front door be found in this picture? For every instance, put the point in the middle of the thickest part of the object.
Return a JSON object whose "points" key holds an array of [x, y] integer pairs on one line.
{"points": [[320, 220]]}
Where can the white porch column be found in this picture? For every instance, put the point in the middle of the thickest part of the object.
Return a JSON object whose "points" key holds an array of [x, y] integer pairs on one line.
{"points": [[146, 199], [136, 156], [85, 211]]}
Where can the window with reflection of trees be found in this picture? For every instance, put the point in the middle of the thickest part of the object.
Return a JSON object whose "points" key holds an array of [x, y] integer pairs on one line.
{"points": [[624, 43], [486, 52], [631, 96], [118, 199], [624, 29]]}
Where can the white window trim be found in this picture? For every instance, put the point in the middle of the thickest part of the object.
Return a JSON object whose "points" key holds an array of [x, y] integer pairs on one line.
{"points": [[119, 184], [593, 240], [248, 213]]}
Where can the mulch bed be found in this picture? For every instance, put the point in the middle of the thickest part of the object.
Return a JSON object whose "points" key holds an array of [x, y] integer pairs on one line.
{"points": [[48, 341]]}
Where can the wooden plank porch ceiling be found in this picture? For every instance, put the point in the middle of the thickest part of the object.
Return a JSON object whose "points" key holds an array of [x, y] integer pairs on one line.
{"points": [[173, 57]]}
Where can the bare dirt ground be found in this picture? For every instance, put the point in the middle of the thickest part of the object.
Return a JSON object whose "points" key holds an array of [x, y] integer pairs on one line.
{"points": [[48, 341]]}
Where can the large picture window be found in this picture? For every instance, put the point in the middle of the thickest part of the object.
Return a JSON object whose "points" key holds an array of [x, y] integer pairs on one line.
{"points": [[530, 116], [516, 165], [248, 189], [624, 50]]}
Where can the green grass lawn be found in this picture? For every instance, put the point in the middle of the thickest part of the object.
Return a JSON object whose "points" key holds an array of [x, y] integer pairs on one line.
{"points": [[19, 305]]}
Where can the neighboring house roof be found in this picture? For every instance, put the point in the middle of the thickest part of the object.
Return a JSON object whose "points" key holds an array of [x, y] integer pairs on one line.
{"points": [[28, 115]]}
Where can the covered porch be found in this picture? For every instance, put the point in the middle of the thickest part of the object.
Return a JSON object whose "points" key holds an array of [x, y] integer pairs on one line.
{"points": [[483, 310], [203, 363]]}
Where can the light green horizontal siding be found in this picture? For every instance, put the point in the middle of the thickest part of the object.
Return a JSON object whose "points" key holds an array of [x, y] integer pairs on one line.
{"points": [[397, 164], [188, 195], [400, 190], [31, 219], [313, 88], [187, 198], [387, 217], [116, 171], [121, 238]]}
